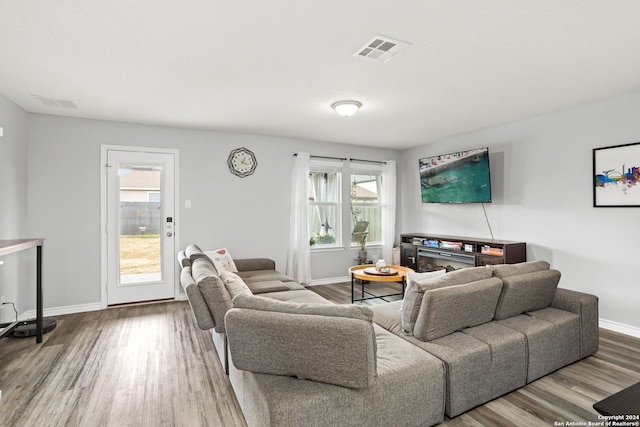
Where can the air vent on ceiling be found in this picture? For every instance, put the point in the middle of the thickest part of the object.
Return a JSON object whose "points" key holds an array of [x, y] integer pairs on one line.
{"points": [[380, 49], [57, 103]]}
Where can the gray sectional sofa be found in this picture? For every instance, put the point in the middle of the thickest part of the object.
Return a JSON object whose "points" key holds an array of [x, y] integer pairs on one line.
{"points": [[456, 341]]}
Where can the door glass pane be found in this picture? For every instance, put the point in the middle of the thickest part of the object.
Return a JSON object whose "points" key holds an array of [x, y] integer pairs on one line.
{"points": [[140, 224]]}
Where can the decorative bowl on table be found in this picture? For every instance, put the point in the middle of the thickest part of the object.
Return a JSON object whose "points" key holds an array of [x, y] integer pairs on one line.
{"points": [[385, 272]]}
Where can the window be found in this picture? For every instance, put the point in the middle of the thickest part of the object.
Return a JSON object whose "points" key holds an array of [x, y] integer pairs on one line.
{"points": [[366, 206], [153, 196], [325, 207]]}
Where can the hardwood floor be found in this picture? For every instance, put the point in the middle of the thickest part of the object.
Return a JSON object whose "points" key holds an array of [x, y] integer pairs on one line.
{"points": [[150, 365], [143, 365]]}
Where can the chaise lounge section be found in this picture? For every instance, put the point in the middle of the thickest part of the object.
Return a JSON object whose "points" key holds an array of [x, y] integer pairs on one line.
{"points": [[210, 293], [294, 358]]}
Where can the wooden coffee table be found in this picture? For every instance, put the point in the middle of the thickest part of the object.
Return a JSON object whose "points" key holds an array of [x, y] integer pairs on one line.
{"points": [[368, 273]]}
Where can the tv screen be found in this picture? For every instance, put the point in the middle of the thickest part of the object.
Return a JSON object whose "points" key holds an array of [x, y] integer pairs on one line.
{"points": [[461, 177]]}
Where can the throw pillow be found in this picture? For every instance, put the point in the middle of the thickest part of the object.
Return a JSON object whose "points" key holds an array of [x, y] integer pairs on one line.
{"points": [[234, 284], [412, 279], [222, 260]]}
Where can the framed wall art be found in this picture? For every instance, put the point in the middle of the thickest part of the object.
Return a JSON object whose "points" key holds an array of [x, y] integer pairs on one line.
{"points": [[616, 173]]}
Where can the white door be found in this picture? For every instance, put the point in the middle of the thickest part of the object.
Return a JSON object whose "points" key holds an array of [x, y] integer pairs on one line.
{"points": [[140, 226]]}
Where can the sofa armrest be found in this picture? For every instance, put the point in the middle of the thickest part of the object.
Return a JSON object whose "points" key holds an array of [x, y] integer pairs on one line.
{"points": [[183, 260], [325, 343], [252, 264], [585, 306], [196, 301]]}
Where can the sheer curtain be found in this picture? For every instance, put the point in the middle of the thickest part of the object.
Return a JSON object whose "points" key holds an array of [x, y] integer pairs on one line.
{"points": [[325, 189], [388, 213], [299, 255]]}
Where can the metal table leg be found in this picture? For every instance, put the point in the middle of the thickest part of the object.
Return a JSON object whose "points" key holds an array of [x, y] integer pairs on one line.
{"points": [[352, 279], [39, 310]]}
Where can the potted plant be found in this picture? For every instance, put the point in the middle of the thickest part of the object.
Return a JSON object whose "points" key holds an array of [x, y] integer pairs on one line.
{"points": [[362, 253]]}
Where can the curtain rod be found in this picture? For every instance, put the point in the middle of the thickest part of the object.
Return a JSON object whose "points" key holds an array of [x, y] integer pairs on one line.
{"points": [[323, 157], [369, 161], [345, 158]]}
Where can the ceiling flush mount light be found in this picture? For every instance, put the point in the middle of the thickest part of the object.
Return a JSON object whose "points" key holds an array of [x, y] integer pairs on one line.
{"points": [[346, 108]]}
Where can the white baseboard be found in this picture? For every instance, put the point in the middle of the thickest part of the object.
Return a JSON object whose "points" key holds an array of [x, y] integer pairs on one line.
{"points": [[330, 281], [634, 331], [72, 309], [59, 311]]}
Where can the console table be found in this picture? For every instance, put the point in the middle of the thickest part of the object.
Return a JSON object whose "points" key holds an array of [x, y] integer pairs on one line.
{"points": [[10, 246]]}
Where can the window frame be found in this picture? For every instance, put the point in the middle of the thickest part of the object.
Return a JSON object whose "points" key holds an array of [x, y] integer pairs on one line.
{"points": [[324, 166], [372, 170]]}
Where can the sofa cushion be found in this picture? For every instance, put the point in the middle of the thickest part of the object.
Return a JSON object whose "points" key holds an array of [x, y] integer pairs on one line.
{"points": [[553, 339], [413, 296], [413, 278], [248, 264], [268, 286], [254, 276], [450, 309], [421, 277], [334, 344], [331, 310], [234, 284], [527, 292], [506, 270], [297, 296]]}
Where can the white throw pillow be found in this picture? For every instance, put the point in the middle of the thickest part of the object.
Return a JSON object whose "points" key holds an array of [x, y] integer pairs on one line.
{"points": [[221, 259], [414, 277], [234, 284]]}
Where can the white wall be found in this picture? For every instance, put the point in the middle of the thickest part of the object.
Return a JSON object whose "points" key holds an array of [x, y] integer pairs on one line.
{"points": [[249, 216], [17, 285], [541, 172]]}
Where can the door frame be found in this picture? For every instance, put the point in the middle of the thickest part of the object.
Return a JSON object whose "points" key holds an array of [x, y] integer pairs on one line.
{"points": [[104, 148]]}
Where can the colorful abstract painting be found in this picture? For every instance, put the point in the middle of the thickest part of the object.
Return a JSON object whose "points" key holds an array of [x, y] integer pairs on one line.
{"points": [[616, 173]]}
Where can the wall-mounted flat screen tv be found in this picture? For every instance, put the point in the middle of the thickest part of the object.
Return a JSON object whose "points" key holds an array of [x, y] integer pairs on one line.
{"points": [[460, 177]]}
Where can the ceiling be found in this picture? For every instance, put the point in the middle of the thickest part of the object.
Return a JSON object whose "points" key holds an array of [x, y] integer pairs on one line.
{"points": [[275, 68]]}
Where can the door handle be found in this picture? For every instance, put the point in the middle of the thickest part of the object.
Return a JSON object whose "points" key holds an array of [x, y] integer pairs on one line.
{"points": [[169, 234]]}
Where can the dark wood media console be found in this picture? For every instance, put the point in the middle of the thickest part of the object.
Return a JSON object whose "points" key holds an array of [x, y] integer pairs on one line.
{"points": [[425, 252]]}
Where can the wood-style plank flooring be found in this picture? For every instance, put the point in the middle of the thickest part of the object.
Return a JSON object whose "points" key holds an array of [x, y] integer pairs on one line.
{"points": [[150, 365]]}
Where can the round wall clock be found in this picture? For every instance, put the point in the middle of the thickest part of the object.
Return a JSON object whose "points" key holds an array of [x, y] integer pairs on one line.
{"points": [[242, 162]]}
